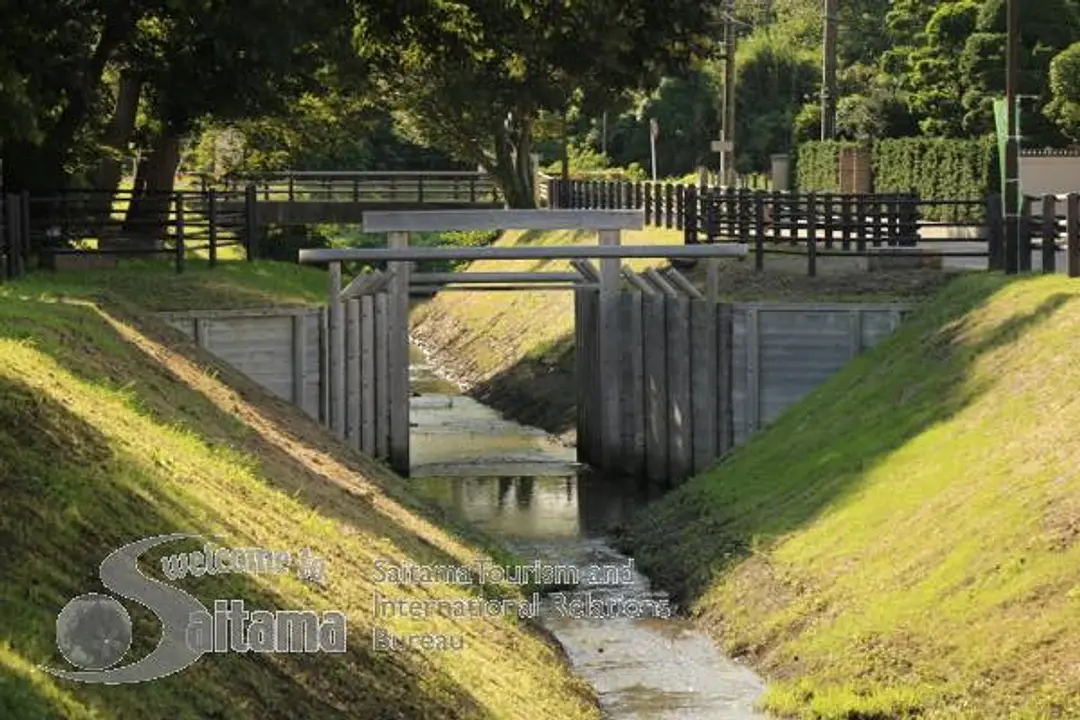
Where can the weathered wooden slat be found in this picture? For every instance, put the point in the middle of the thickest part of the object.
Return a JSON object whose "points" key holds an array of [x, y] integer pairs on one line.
{"points": [[382, 376], [678, 388], [703, 383], [352, 372], [367, 375], [398, 356], [654, 326]]}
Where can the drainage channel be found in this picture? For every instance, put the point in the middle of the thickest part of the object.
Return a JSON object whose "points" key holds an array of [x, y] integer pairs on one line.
{"points": [[521, 486]]}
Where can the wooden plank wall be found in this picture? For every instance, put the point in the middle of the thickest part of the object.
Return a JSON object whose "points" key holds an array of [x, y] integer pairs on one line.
{"points": [[697, 379], [276, 347]]}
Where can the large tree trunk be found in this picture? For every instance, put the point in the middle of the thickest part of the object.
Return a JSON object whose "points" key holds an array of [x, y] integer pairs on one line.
{"points": [[110, 168], [146, 223], [118, 134], [513, 167]]}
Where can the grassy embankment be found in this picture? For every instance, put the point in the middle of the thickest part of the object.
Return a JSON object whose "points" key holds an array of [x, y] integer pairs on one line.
{"points": [[113, 428], [514, 350], [903, 542]]}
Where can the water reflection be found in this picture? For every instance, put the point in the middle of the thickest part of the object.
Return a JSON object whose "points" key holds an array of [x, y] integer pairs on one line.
{"points": [[522, 486]]}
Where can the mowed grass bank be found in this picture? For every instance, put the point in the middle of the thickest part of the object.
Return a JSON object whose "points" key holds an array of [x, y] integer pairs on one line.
{"points": [[903, 542], [114, 429]]}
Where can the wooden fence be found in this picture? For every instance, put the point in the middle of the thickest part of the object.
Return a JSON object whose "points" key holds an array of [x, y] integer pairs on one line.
{"points": [[815, 225]]}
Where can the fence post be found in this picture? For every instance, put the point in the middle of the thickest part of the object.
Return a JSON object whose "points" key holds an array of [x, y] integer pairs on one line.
{"points": [[1072, 234], [14, 246], [292, 188], [759, 230], [690, 221], [250, 243], [811, 235], [680, 205], [648, 203], [910, 219], [845, 222], [860, 224], [827, 205], [669, 204], [553, 201], [1024, 230], [893, 213], [211, 219], [995, 245], [24, 228], [1049, 234], [178, 198], [878, 219]]}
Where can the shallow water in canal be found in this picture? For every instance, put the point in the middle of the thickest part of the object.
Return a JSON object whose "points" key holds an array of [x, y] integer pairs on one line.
{"points": [[521, 486]]}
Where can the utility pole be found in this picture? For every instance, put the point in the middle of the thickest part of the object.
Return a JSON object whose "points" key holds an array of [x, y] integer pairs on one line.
{"points": [[727, 120], [1012, 154], [828, 73]]}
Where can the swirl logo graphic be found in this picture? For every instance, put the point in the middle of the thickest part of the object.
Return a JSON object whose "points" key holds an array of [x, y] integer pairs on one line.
{"points": [[94, 631]]}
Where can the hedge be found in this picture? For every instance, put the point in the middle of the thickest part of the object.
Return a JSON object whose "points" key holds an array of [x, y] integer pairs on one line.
{"points": [[817, 165], [935, 168]]}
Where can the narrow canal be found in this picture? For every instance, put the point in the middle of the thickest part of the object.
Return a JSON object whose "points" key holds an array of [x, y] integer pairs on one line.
{"points": [[521, 486]]}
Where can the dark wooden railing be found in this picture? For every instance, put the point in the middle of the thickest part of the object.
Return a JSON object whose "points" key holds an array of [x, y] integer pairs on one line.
{"points": [[433, 186]]}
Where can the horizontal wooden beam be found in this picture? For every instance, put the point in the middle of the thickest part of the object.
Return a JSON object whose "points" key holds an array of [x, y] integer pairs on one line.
{"points": [[473, 278], [433, 289], [548, 252], [434, 221]]}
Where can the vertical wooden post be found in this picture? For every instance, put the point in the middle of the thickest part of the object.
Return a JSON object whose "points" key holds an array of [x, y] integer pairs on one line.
{"points": [[724, 379], [611, 343], [1072, 234], [654, 325], [399, 355], [827, 207], [382, 375], [860, 224], [178, 199], [648, 203], [25, 244], [582, 379], [669, 204], [367, 375], [680, 451], [703, 383], [352, 372], [632, 390], [811, 234], [878, 220], [690, 221], [211, 220], [845, 222], [250, 242], [336, 385], [1049, 234], [759, 228], [1024, 230], [680, 206]]}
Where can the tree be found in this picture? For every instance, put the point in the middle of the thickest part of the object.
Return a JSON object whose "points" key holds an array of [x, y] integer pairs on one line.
{"points": [[1064, 108], [472, 80]]}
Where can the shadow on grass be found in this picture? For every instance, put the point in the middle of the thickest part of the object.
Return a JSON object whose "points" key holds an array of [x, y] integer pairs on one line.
{"points": [[72, 495], [539, 390], [789, 474]]}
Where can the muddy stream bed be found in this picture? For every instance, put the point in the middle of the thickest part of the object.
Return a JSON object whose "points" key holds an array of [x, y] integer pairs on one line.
{"points": [[521, 486]]}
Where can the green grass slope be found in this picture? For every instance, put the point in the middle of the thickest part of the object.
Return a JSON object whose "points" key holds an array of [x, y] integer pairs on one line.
{"points": [[904, 541], [113, 429]]}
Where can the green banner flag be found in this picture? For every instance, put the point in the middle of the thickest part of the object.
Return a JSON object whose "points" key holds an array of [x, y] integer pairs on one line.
{"points": [[1001, 121]]}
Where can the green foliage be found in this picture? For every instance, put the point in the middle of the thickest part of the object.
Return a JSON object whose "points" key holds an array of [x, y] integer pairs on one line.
{"points": [[934, 168], [774, 79], [284, 242], [1064, 109], [351, 236], [938, 169], [817, 165]]}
